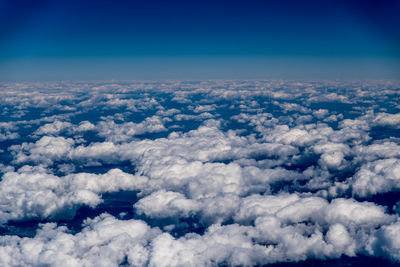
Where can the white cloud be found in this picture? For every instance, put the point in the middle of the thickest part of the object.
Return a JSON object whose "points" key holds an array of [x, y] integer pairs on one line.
{"points": [[105, 241], [125, 132], [379, 176], [276, 187], [356, 214], [46, 150], [385, 119], [163, 204], [54, 128], [8, 131], [386, 241], [31, 192]]}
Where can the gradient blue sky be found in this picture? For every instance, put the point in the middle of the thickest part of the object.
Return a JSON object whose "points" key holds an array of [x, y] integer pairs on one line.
{"points": [[85, 40]]}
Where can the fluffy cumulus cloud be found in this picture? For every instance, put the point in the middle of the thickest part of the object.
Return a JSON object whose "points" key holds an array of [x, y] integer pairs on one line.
{"points": [[45, 150], [162, 204], [104, 241], [379, 176], [211, 173], [8, 131], [384, 119], [31, 192], [53, 128], [124, 132]]}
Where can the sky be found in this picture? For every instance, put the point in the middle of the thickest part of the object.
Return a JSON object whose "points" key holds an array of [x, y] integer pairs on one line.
{"points": [[92, 40]]}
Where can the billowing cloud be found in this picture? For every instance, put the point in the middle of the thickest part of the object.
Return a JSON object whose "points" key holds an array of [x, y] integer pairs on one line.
{"points": [[31, 192], [236, 173]]}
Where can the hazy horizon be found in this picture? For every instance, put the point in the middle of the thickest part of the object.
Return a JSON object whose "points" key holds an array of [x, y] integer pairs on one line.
{"points": [[78, 40]]}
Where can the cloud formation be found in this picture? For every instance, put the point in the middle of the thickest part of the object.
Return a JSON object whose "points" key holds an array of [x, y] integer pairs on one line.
{"points": [[224, 172]]}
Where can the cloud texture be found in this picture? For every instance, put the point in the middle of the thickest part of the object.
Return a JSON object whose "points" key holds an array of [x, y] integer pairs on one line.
{"points": [[199, 173]]}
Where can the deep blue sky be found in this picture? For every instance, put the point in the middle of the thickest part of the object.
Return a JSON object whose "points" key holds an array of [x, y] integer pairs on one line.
{"points": [[47, 40]]}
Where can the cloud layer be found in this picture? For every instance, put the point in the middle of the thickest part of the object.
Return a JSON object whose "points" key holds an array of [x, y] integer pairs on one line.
{"points": [[198, 173]]}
